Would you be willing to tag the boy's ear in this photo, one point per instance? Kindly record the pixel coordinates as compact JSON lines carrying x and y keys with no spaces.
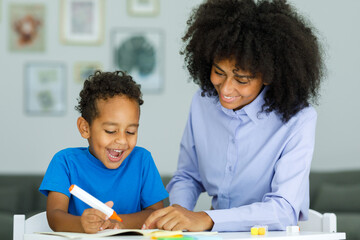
{"x":84,"y":127}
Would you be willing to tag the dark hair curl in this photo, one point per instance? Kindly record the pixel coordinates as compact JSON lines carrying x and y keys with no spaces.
{"x":104,"y":85}
{"x":266,"y":37}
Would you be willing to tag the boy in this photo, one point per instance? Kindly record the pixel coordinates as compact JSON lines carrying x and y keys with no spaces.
{"x":111,"y":168}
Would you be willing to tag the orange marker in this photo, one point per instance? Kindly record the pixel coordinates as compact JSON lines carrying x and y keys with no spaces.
{"x":93,"y":202}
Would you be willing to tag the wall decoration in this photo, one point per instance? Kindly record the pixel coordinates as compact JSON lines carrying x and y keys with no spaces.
{"x":82,"y":21}
{"x":82,"y":70}
{"x":143,"y":7}
{"x":140,"y":53}
{"x":27,"y":24}
{"x":45,"y":89}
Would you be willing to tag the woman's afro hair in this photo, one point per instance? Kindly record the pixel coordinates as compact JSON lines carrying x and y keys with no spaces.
{"x":267,"y":37}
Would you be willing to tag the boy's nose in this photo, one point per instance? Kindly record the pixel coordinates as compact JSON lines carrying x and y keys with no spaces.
{"x":121,"y":139}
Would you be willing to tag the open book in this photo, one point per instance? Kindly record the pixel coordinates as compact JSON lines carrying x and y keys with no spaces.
{"x":153,"y":233}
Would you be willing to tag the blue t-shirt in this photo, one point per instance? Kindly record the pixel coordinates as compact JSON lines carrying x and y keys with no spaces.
{"x":133,"y":186}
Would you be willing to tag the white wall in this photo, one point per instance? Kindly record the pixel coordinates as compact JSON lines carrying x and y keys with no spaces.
{"x":338,"y":128}
{"x":27,"y":143}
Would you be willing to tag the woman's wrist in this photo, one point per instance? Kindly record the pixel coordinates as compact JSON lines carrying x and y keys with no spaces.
{"x":207,"y":221}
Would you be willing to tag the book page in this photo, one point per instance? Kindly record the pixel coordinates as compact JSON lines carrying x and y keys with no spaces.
{"x":112,"y":232}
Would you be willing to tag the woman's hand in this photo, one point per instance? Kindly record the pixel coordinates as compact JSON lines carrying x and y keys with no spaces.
{"x":93,"y":220}
{"x":176,"y":217}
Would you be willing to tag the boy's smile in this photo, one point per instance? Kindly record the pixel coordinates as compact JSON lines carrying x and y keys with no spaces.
{"x":113,"y":133}
{"x":115,"y":154}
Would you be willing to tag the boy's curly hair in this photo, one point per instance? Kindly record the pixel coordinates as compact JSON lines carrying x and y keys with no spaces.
{"x":266,"y":37}
{"x":104,"y":85}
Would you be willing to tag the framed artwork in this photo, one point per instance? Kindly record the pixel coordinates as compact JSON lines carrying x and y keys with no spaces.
{"x":45,"y":88}
{"x":82,"y":70}
{"x":143,"y":7}
{"x":27,"y":27}
{"x":82,"y":22}
{"x":140,"y":54}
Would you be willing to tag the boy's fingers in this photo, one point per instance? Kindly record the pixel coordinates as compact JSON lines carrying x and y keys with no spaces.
{"x":95,"y":215}
{"x":105,"y":225}
{"x":110,"y":204}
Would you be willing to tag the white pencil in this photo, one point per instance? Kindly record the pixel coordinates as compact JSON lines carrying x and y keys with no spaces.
{"x":93,"y":202}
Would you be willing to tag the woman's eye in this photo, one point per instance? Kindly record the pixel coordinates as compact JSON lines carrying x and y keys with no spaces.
{"x":109,"y":132}
{"x":243,"y":80}
{"x":219,"y":73}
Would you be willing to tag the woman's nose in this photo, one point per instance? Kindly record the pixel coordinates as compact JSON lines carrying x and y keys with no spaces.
{"x":227,"y":87}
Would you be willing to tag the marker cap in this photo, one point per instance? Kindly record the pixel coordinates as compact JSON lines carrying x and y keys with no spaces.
{"x":116,"y":217}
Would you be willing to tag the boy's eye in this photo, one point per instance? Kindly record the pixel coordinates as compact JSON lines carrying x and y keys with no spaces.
{"x":110,"y":132}
{"x":131,"y":133}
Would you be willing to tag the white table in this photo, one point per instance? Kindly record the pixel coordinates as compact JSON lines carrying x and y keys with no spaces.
{"x":278,"y":235}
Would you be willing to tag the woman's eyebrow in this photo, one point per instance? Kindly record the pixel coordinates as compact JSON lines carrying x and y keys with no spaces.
{"x":217,"y":66}
{"x":242,"y":75}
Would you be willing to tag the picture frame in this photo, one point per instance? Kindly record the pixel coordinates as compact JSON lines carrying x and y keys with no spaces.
{"x":82,"y":22}
{"x":140,"y":53}
{"x":26,"y":27}
{"x":82,"y":70}
{"x":45,"y":88}
{"x":143,"y":8}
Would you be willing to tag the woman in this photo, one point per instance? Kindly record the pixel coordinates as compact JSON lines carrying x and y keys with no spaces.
{"x":250,"y":135}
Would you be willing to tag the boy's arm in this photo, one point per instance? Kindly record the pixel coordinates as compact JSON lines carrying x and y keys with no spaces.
{"x":60,"y":220}
{"x":136,"y":220}
{"x":57,"y":214}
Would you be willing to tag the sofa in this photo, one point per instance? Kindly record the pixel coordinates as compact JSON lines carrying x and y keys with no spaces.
{"x":337,"y":192}
{"x":19,"y":194}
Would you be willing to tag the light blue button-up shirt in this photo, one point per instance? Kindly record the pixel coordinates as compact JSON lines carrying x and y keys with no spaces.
{"x":255,"y":167}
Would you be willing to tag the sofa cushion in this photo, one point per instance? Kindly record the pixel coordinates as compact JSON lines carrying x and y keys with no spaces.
{"x":6,"y":226}
{"x":9,"y":197}
{"x":349,"y":223}
{"x":338,"y":198}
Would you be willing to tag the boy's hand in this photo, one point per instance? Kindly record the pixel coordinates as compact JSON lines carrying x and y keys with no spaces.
{"x":93,"y":220}
{"x":176,"y":217}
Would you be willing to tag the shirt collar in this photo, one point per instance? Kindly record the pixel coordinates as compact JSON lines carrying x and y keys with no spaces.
{"x":94,"y":160}
{"x":252,"y":110}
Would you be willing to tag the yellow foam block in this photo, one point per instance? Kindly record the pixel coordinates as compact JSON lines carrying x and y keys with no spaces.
{"x":254,"y":231}
{"x":262,"y":231}
{"x":258,"y":230}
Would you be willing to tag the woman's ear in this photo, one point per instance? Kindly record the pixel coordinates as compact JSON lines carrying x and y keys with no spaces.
{"x":84,"y":127}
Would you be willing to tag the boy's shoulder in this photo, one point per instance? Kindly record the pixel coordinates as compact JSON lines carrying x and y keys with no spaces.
{"x":140,"y":151}
{"x":70,"y":152}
